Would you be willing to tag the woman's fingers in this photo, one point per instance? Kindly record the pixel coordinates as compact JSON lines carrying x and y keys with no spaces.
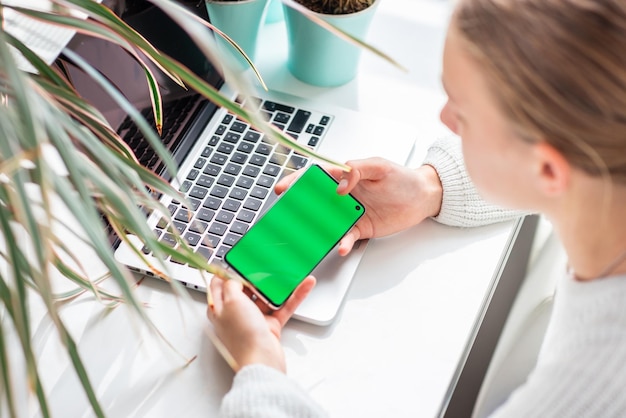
{"x":232,"y":291}
{"x":287,"y":181}
{"x":361,"y":170}
{"x":347,"y":242}
{"x":283,"y":314}
{"x":215,"y":287}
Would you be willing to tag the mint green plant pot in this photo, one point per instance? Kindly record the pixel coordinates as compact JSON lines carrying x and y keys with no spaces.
{"x":274,"y":11}
{"x":318,"y":57}
{"x":241,"y":20}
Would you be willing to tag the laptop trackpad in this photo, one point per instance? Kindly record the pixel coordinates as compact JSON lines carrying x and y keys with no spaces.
{"x":334,"y":276}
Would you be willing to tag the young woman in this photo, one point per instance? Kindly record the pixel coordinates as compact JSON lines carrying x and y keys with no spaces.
{"x":537,"y":93}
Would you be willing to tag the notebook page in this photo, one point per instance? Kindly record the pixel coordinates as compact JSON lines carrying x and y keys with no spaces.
{"x":46,"y":40}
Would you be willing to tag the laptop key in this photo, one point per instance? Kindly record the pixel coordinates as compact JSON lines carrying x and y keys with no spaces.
{"x":198,"y":227}
{"x":169,"y":239}
{"x":233,"y":169}
{"x":205,"y":214}
{"x":225,"y":216}
{"x":162,"y":223}
{"x":238,"y":127}
{"x":299,"y":120}
{"x":231,"y":239}
{"x":192,"y":239}
{"x":252,"y":204}
{"x":221,"y":252}
{"x":245,"y":182}
{"x":239,"y":227}
{"x":296,"y":162}
{"x":184,"y":188}
{"x":252,"y":136}
{"x":281,"y":117}
{"x":231,"y":205}
{"x":218,"y":228}
{"x":179,"y":226}
{"x":195,"y":204}
{"x":212,"y":203}
{"x":212,"y":170}
{"x":183,"y":215}
{"x":232,"y":137}
{"x":239,"y":158}
{"x":219,"y":159}
{"x":278,"y":159}
{"x":272,"y":170}
{"x":193,"y":174}
{"x":251,"y":171}
{"x":211,"y":241}
{"x":226,"y":148}
{"x":176,"y":260}
{"x":204,"y":252}
{"x":264,"y":149}
{"x":278,"y":106}
{"x":226,"y":180}
{"x":214,"y":140}
{"x":206,"y":152}
{"x":246,"y":216}
{"x":282,"y":149}
{"x":205,"y":181}
{"x":199,"y":163}
{"x":265,"y":181}
{"x":259,"y":192}
{"x":258,"y":160}
{"x":246,"y":147}
{"x":219,"y":191}
{"x":198,"y":192}
{"x":238,"y":193}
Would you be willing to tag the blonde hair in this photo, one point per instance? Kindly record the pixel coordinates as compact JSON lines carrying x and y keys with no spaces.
{"x":558,"y":69}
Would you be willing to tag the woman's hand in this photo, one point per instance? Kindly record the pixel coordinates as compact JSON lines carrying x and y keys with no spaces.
{"x":249,"y":335}
{"x":395,"y":197}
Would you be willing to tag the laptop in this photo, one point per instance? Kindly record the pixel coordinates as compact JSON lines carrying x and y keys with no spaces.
{"x":227,"y":170}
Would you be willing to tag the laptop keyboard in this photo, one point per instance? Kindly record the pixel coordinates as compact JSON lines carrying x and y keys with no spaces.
{"x":176,"y":115}
{"x":232,"y":179}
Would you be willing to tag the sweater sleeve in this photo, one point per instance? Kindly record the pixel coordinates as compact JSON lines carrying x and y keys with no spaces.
{"x":462,"y":205}
{"x":259,"y":391}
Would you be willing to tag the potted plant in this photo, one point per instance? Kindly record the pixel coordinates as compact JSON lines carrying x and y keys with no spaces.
{"x":57,"y":151}
{"x":324,"y":36}
{"x":317,"y":56}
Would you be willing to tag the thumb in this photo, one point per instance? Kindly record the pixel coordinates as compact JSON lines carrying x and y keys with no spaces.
{"x":301,"y":292}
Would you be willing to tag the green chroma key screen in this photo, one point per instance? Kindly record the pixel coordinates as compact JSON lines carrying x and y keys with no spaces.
{"x":294,"y":235}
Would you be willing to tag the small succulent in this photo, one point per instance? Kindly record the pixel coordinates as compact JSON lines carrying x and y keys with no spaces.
{"x":336,"y":6}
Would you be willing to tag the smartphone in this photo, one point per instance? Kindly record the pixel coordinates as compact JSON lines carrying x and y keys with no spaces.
{"x":286,"y":244}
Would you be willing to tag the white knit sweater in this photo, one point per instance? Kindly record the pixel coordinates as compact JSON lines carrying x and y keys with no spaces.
{"x":462,"y":205}
{"x":581,"y":369}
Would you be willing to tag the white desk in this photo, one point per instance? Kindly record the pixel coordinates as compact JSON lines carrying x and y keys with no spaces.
{"x":396,"y":343}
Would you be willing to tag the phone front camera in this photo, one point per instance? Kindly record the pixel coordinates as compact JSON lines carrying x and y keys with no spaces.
{"x":357,"y":207}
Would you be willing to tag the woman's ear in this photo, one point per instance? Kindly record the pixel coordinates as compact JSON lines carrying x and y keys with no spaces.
{"x":553,"y":170}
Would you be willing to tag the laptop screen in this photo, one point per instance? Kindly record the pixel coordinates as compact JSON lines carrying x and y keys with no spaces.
{"x":124,"y":72}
